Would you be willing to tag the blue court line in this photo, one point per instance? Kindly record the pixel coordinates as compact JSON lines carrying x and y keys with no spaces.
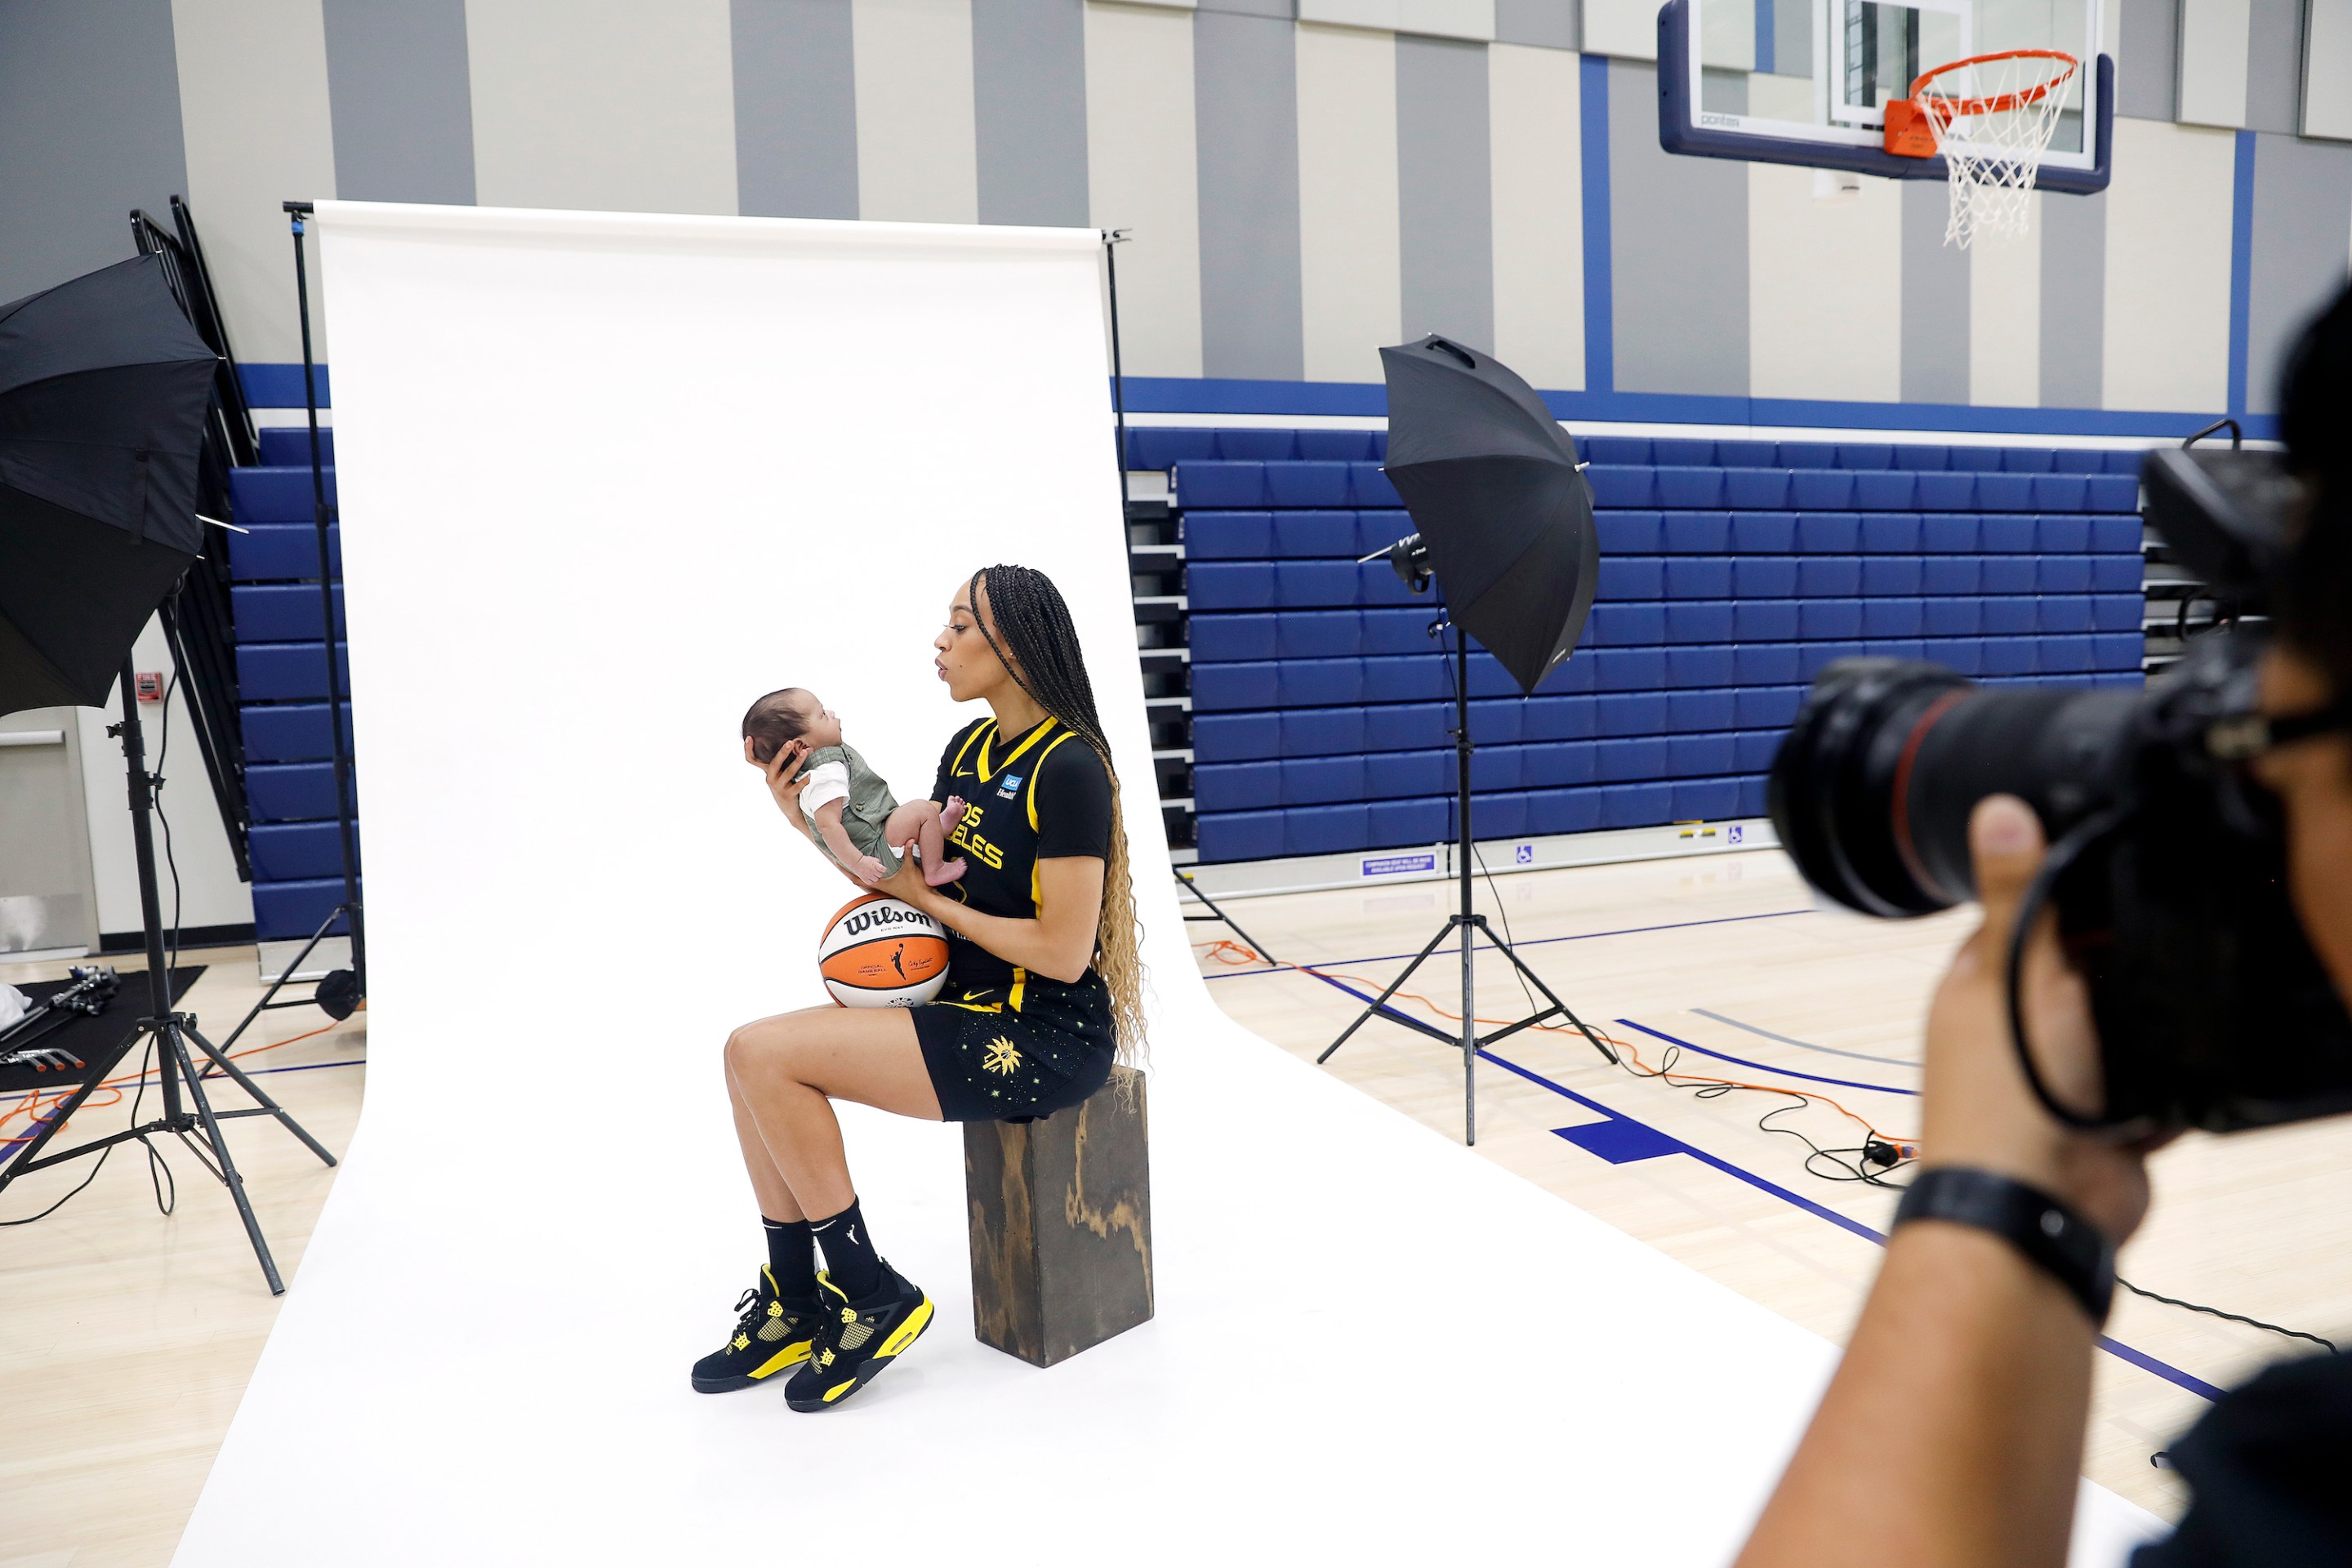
{"x":1765,"y":1067}
{"x":2121,"y":1352}
{"x":1806,"y":1045}
{"x":1531,"y":942}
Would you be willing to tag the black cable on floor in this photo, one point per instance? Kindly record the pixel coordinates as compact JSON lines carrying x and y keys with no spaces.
{"x":2232,"y":1317}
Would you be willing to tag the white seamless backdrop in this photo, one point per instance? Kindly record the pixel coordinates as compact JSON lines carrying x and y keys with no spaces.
{"x":604,"y":477}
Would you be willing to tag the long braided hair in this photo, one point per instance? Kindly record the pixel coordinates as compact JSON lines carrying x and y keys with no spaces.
{"x":1040,"y":650}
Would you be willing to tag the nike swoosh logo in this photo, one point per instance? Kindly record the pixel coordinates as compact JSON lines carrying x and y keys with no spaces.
{"x":970,"y":994}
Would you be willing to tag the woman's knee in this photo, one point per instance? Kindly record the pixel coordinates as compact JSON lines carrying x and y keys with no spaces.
{"x":757,"y":1049}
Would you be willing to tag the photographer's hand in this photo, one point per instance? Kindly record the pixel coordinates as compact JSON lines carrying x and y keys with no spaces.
{"x":1978,"y":1111}
{"x":1953,"y":1431}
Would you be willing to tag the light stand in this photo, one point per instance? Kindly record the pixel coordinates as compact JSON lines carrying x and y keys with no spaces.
{"x":199,"y":1130}
{"x":1465,"y":924}
{"x":349,"y":994}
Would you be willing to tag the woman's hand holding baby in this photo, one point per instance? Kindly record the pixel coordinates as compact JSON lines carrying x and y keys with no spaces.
{"x":783,"y":783}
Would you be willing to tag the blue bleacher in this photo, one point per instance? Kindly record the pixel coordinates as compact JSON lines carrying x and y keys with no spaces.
{"x":281,"y":673}
{"x":1732,"y":571}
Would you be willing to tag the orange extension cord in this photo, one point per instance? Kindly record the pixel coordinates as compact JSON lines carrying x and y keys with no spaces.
{"x":1219,"y":951}
{"x":33,"y":1103}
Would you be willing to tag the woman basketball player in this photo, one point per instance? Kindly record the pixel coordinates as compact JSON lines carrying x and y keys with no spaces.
{"x":1044,"y":989}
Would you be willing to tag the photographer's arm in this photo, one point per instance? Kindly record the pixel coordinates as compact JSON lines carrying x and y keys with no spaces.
{"x":1058,"y":944}
{"x":1952,"y":1433}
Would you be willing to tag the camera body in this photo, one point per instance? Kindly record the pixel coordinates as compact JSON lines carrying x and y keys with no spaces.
{"x":2168,"y":866}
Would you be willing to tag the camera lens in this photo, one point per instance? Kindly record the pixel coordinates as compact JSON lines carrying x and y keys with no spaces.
{"x":1872,"y":785}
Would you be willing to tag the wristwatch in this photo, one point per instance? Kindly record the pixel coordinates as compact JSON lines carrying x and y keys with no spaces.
{"x":2068,"y":1247}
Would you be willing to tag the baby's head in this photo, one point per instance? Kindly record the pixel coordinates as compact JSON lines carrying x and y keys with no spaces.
{"x":791,"y":714}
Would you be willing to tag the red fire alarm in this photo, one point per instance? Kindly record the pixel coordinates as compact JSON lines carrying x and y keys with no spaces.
{"x":149,"y":685}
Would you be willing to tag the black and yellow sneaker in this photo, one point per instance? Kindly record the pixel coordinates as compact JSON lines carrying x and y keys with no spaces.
{"x":772,"y":1335}
{"x":855,"y":1339}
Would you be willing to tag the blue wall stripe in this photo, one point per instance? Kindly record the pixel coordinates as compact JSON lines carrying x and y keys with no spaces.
{"x":2241,"y":269}
{"x":1764,"y":59}
{"x":1600,"y":295}
{"x":1211,"y":397}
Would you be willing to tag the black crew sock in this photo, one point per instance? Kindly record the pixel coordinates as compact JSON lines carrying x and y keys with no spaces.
{"x":849,"y":1255}
{"x":792,"y":1258}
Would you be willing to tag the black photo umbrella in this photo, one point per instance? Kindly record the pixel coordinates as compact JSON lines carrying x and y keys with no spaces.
{"x":1506,"y":522}
{"x":103,"y":389}
{"x":1493,"y":485}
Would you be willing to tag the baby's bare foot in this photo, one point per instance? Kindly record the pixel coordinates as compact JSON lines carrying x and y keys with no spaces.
{"x":940,"y":875}
{"x":952,"y":813}
{"x":871,"y":869}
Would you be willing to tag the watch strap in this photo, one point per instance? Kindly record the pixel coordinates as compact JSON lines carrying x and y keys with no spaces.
{"x":2068,"y":1247}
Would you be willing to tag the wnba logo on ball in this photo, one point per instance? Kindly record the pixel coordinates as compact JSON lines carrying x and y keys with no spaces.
{"x":879,"y":952}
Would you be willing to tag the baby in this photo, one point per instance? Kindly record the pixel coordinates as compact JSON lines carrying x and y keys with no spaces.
{"x":851,"y":815}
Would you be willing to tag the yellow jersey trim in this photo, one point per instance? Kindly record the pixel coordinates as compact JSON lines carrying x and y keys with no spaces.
{"x":1020,"y":985}
{"x":1064,"y":735}
{"x":987,"y":773}
{"x":983,"y":728}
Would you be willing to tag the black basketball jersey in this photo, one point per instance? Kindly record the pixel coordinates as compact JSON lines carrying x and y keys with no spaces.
{"x":1042,"y":795}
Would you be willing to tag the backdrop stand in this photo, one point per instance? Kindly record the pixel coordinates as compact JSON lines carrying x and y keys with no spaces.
{"x":339,"y":999}
{"x":1465,"y":925}
{"x":199,"y":1130}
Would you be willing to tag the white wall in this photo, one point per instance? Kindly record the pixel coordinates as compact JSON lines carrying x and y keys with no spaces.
{"x":1534,"y":106}
{"x":1350,"y":265}
{"x":1142,"y":175}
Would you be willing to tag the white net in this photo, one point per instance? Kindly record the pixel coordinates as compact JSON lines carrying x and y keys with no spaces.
{"x":1992,"y":119}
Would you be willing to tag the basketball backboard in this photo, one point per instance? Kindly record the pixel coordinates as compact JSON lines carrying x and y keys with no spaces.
{"x":1808,"y":82}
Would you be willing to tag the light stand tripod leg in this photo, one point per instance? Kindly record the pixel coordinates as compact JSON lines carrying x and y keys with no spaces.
{"x":177,"y":1051}
{"x":1381,"y":1001}
{"x":221,"y":1060}
{"x":1223,"y":919}
{"x":1550,"y":995}
{"x":284,"y":978}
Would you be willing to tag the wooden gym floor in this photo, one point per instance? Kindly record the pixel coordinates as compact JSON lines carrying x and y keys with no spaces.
{"x":1730,"y":955}
{"x":127,"y":1336}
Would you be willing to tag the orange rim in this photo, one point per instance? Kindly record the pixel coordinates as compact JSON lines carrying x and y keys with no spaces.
{"x":1948,"y":110}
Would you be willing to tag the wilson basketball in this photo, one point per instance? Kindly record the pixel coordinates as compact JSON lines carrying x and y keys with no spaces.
{"x":879,"y":952}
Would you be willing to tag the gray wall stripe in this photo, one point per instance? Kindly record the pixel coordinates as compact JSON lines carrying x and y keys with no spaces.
{"x":1279,"y":10}
{"x":2147,"y":60}
{"x":1935,"y":298}
{"x":89,"y":115}
{"x":2275,"y":66}
{"x":795,"y":108}
{"x":1546,"y":24}
{"x":1445,"y":199}
{"x":2303,"y":213}
{"x":1246,"y":112}
{"x":1029,"y":105}
{"x":401,"y":101}
{"x":2074,"y":301}
{"x":1677,"y":255}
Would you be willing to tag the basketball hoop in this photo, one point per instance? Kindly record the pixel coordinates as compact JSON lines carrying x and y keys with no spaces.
{"x":1991,"y":141}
